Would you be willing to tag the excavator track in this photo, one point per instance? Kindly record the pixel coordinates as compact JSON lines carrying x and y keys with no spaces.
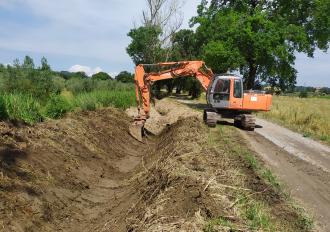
{"x":210,"y":117}
{"x":245,"y":121}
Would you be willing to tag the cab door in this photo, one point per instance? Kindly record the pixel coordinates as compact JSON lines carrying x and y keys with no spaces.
{"x":220,"y":93}
{"x":236,"y":101}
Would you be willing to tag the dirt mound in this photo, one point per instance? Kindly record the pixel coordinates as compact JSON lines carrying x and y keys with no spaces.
{"x":65,"y":174}
{"x":163,"y":113}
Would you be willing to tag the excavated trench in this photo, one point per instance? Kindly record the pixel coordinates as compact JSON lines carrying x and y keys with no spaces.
{"x":81,"y":173}
{"x":86,"y":173}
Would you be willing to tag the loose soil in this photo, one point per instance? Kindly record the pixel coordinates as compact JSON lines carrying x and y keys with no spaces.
{"x":86,"y":173}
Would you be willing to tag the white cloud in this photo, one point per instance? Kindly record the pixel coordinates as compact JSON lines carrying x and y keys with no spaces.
{"x":113,"y":74}
{"x":88,"y":70}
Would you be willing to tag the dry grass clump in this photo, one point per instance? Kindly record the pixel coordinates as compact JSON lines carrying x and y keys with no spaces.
{"x":309,"y":116}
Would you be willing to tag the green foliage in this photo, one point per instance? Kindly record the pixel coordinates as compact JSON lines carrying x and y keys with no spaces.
{"x":145,"y":46}
{"x":101,"y":98}
{"x":260,"y":38}
{"x":102,"y":76}
{"x":125,"y":77}
{"x":23,"y":107}
{"x":29,"y":94}
{"x":78,"y":85}
{"x":3,"y":112}
{"x":221,"y":56}
{"x":57,"y":106}
{"x":25,"y":79}
{"x":184,"y":45}
{"x":28,"y":63}
{"x":258,"y":218}
{"x":303,"y":94}
{"x":44,"y":64}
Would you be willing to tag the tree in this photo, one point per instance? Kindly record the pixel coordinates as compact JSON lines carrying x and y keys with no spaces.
{"x":166,"y":15}
{"x":80,"y":74}
{"x":28,"y":63}
{"x":44,"y":64}
{"x":102,"y":76}
{"x":184,"y":45}
{"x":145,"y":46}
{"x":125,"y":77}
{"x":260,"y":38}
{"x":16,"y":63}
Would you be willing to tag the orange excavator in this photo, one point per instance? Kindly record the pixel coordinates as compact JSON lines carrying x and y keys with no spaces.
{"x":224,"y":94}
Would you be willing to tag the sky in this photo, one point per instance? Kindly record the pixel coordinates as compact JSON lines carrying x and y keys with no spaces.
{"x":91,"y":36}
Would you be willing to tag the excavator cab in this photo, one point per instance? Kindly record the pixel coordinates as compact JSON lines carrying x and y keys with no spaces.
{"x":226,"y":92}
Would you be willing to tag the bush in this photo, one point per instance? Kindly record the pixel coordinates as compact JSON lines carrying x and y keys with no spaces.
{"x":56,"y":107}
{"x":303,"y":94}
{"x":3,"y":112}
{"x":23,"y":107}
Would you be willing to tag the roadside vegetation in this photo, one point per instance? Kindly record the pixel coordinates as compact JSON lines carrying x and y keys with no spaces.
{"x":32,"y":94}
{"x":309,"y":116}
{"x":257,"y":210}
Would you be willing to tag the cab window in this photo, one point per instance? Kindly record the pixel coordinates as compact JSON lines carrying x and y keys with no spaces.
{"x":237,"y":89}
{"x":222,"y":90}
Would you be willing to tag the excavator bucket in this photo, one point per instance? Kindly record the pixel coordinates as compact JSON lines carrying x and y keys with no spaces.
{"x":136,"y":131}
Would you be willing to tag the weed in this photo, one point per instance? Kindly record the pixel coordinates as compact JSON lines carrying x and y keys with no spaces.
{"x":305,"y":222}
{"x":271,"y":179}
{"x":23,"y":107}
{"x":3,"y":112}
{"x":56,"y":107}
{"x":257,"y":217}
{"x":210,"y":226}
{"x":95,"y":99}
{"x":252,"y":161}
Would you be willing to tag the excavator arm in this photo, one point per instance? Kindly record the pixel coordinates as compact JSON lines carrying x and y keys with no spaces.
{"x":171,"y":70}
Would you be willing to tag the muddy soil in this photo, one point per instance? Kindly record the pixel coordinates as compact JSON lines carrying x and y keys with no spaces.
{"x":86,"y":173}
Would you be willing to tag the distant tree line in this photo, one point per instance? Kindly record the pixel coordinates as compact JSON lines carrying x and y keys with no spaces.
{"x":41,"y":81}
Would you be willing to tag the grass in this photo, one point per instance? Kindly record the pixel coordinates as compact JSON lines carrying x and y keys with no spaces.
{"x":29,"y":109}
{"x":103,"y":98}
{"x":256,"y":212}
{"x":308,"y":116}
{"x":22,"y":107}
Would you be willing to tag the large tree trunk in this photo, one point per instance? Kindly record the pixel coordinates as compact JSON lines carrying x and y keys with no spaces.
{"x":250,"y":78}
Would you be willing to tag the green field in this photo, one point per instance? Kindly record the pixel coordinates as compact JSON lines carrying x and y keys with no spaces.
{"x":309,"y":116}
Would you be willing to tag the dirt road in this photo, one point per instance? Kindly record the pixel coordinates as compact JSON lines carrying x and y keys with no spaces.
{"x":301,"y":163}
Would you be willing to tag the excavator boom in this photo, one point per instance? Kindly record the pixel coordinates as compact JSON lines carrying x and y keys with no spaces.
{"x":170,"y":70}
